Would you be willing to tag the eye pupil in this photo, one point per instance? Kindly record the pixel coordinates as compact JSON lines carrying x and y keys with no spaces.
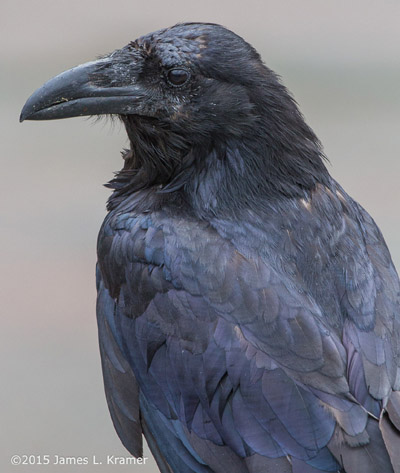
{"x":178,"y":76}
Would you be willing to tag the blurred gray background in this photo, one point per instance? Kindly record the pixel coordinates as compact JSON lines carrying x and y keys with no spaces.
{"x":341,"y":61}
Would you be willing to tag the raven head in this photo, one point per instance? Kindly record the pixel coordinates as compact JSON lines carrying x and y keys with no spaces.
{"x":194,"y":77}
{"x":191,"y":96}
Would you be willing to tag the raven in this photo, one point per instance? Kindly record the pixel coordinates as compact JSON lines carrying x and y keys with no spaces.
{"x":248,"y":307}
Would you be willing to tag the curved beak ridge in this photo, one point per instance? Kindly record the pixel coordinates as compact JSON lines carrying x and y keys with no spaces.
{"x":82,"y":91}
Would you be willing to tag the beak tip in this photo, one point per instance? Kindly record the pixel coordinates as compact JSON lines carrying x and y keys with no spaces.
{"x":26,"y":112}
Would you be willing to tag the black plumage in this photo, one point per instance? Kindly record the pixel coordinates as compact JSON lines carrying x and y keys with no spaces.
{"x":248,"y":308}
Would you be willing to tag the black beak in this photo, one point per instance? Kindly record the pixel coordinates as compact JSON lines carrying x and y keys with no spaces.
{"x":105,"y":86}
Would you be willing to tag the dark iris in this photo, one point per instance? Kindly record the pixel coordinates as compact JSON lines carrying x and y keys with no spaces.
{"x":178,"y":76}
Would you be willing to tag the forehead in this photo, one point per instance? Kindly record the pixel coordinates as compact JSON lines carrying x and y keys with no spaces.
{"x":178,"y":44}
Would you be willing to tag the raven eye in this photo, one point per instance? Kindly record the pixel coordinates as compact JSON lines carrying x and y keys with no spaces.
{"x":178,"y":77}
